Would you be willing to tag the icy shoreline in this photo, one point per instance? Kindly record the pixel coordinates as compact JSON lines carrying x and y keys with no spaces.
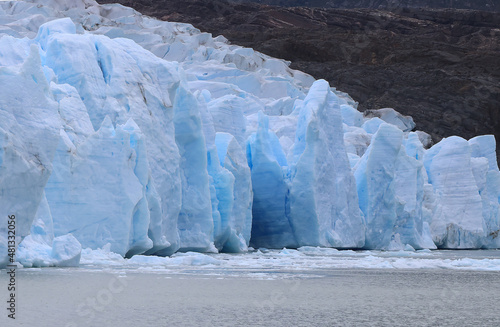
{"x":287,"y":261}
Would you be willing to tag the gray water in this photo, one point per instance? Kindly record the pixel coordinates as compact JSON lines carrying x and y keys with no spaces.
{"x":276,"y":296}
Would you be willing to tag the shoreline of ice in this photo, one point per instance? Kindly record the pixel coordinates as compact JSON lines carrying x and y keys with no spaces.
{"x":286,"y":263}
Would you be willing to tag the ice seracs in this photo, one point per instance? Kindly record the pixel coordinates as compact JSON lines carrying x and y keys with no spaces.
{"x":271,"y":227}
{"x":391,"y":116}
{"x":123,"y":132}
{"x":458,"y":218}
{"x":488,"y":182}
{"x":375,"y":175}
{"x":323,"y":203}
{"x":94,"y":210}
{"x":195,"y":222}
{"x":232,"y":157}
{"x":29,"y":129}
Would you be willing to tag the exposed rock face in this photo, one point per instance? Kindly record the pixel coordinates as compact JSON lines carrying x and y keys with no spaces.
{"x":488,"y":5}
{"x":442,"y":67}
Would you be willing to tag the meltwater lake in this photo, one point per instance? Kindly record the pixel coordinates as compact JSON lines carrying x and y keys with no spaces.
{"x":308,"y":287}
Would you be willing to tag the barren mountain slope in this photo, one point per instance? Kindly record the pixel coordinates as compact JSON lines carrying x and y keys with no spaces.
{"x":488,"y":5}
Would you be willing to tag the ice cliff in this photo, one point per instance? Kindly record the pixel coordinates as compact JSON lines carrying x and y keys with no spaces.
{"x":118,"y":130}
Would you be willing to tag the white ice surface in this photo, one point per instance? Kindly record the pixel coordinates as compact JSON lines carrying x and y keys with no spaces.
{"x":152,"y":136}
{"x":291,"y":263}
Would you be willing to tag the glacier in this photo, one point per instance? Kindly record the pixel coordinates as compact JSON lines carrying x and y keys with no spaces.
{"x":122,"y":132}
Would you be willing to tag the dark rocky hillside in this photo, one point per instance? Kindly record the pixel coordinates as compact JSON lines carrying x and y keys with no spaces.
{"x":487,"y":5}
{"x":440,"y":66}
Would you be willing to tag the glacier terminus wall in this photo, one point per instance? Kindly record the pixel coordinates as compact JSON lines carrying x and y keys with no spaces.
{"x":124,"y":132}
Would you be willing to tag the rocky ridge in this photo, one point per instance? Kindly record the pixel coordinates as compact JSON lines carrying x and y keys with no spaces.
{"x":487,"y":5}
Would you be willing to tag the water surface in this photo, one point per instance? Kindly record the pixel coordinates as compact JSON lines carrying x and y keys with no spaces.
{"x":283,"y":288}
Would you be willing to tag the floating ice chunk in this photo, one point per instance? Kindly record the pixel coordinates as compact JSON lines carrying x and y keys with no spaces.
{"x":290,"y":252}
{"x":409,"y":248}
{"x":42,"y":249}
{"x":148,"y":260}
{"x":101,"y":256}
{"x":35,"y":250}
{"x":32,"y":253}
{"x":66,"y":251}
{"x":312,"y":250}
{"x":193,"y":259}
